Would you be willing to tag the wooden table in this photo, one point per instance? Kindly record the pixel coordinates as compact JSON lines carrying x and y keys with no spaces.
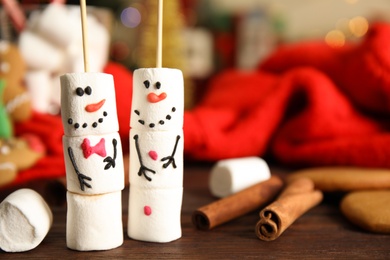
{"x":322,"y":233}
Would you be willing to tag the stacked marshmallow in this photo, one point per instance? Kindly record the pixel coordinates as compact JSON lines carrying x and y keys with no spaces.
{"x":52,"y":45}
{"x":93,"y":160}
{"x":156,"y":155}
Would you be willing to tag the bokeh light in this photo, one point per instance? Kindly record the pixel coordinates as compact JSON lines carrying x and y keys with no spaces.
{"x":335,"y":38}
{"x":130,"y":17}
{"x":358,"y":26}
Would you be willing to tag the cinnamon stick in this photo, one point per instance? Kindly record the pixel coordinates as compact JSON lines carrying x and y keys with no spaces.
{"x":297,"y":198}
{"x":236,"y":205}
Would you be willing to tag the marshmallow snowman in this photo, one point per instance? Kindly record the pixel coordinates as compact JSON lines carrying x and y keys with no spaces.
{"x":156,"y":155}
{"x":93,"y":161}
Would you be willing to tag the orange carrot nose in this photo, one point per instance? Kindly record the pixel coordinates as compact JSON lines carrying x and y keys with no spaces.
{"x":154,"y":98}
{"x":94,"y":107}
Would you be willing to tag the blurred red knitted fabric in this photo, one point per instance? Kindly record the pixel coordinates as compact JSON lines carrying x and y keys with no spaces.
{"x":308,"y":104}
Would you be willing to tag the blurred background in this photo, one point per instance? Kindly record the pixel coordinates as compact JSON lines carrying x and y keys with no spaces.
{"x":203,"y":37}
{"x":41,"y":40}
{"x":237,"y":33}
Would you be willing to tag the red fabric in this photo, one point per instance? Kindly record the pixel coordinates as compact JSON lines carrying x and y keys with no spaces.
{"x":123,"y":80}
{"x":362,"y":70}
{"x":50,"y":131}
{"x":303,"y":105}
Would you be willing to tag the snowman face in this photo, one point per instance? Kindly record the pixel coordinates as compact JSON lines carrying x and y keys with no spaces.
{"x":157,"y":99}
{"x":88,"y":104}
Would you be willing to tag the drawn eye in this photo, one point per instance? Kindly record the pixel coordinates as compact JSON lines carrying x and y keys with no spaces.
{"x":147,"y":83}
{"x":79,"y":92}
{"x":158,"y":85}
{"x":88,"y":90}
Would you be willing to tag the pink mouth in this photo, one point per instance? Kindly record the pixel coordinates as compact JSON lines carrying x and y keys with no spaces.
{"x":154,"y":98}
{"x":94,"y":107}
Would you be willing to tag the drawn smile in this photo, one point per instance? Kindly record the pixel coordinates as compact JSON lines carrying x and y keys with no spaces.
{"x":153,"y":124}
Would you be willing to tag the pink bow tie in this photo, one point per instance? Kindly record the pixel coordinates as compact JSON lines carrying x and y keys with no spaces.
{"x":88,"y":150}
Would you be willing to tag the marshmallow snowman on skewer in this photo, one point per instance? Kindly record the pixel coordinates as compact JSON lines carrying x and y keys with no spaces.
{"x":93,"y":160}
{"x":93,"y":157}
{"x":156,"y":155}
{"x":156,"y":151}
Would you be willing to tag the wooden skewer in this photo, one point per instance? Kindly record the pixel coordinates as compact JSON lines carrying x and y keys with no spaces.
{"x":159,"y":34}
{"x":84,"y":30}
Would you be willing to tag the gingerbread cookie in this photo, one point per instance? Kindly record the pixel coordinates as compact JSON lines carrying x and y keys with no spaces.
{"x":368,"y":209}
{"x":331,"y":179}
{"x":18,"y":154}
{"x":12,"y":70}
{"x":8,"y":173}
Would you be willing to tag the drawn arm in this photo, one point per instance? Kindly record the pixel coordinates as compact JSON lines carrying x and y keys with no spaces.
{"x":142,"y":169}
{"x":82,"y":178}
{"x":109,"y":160}
{"x":171,"y":159}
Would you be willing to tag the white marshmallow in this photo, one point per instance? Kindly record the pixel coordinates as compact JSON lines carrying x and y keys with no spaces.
{"x":167,"y":113}
{"x":38,"y":53}
{"x":233,"y":175}
{"x":55,"y":99}
{"x":94,"y":222}
{"x":199,"y":44}
{"x":154,"y":214}
{"x":92,"y":164}
{"x":74,"y":107}
{"x":153,"y":147}
{"x":56,"y":25}
{"x":38,"y":84}
{"x":98,"y":48}
{"x":25,"y":220}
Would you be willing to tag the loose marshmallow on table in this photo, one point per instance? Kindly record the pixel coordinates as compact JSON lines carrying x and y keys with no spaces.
{"x":25,"y":220}
{"x":155,"y":214}
{"x":153,"y":148}
{"x":158,"y":99}
{"x":88,"y":155}
{"x":88,"y":105}
{"x":94,"y":222}
{"x":233,"y":175}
